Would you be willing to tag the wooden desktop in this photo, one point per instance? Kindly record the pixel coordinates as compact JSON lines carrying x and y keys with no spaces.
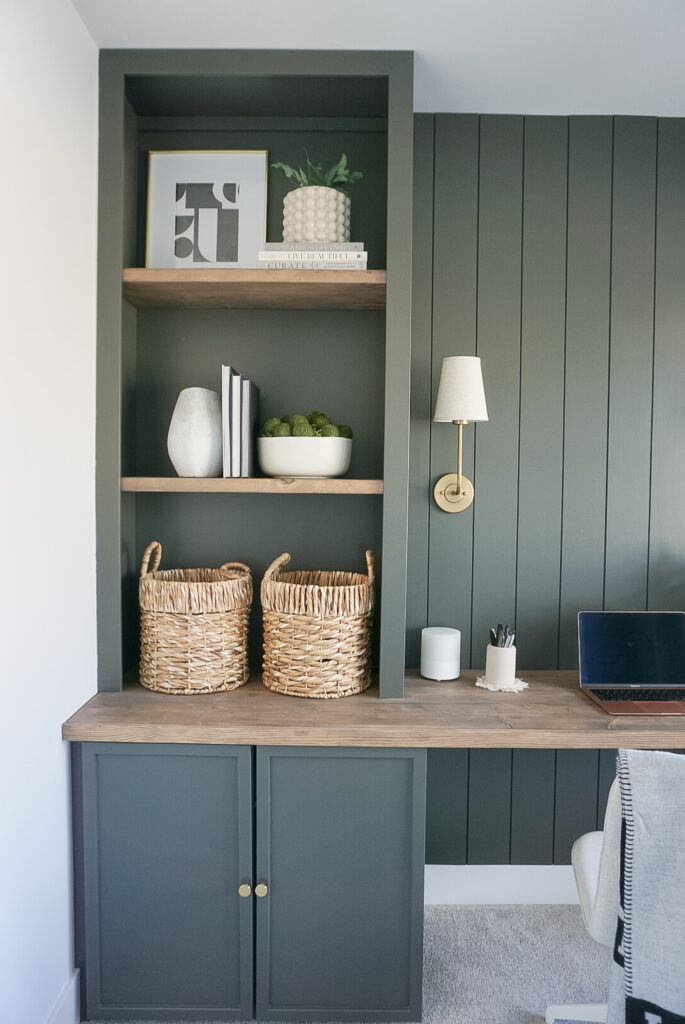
{"x":551,"y":714}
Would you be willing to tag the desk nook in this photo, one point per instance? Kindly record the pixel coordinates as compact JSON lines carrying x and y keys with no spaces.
{"x":247,"y":854}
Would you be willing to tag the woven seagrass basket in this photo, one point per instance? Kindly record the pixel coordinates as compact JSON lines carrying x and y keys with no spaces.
{"x":317,"y":630}
{"x":193,"y":626}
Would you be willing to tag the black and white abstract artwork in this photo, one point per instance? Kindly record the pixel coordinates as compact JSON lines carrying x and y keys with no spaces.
{"x":206,"y":208}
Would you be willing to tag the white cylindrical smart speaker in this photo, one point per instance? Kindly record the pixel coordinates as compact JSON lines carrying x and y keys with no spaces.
{"x":440,"y":652}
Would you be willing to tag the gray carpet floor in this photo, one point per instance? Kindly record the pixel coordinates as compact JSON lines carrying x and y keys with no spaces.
{"x":506,"y":964}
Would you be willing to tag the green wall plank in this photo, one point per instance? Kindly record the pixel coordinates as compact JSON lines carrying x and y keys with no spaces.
{"x":532,"y":806}
{"x":667,"y":523}
{"x":575,"y":810}
{"x":631,"y":362}
{"x":489,"y":807}
{"x":447,"y":786}
{"x":542,"y":390}
{"x":455,"y":271}
{"x":498,"y":344}
{"x":607,"y":774}
{"x":588,"y":288}
{"x":420,"y":432}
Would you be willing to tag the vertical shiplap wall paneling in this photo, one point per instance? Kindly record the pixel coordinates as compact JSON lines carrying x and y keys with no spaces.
{"x":631,"y":362}
{"x":588,"y":299}
{"x":541,"y":448}
{"x":559,"y":258}
{"x":455,"y":290}
{"x":447,"y":798}
{"x":543,"y":287}
{"x":489,"y":807}
{"x":666,"y":580}
{"x":576,"y":795}
{"x":532,"y":806}
{"x":498,"y":344}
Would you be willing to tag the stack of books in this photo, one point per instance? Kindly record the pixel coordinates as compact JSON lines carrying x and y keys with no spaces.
{"x":312,"y":256}
{"x":239,"y":420}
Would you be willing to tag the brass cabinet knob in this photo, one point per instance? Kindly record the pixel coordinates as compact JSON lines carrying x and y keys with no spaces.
{"x":261,"y":889}
{"x":244,"y":890}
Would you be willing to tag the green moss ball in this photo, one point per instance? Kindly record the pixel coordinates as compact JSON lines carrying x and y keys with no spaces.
{"x":268,"y":428}
{"x":302,"y":428}
{"x":344,"y":430}
{"x":318,"y":420}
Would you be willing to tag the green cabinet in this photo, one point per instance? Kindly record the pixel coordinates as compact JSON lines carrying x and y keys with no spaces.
{"x":331,"y":927}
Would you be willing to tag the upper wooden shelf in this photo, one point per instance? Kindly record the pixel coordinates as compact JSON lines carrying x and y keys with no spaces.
{"x":250,"y":485}
{"x":250,"y":289}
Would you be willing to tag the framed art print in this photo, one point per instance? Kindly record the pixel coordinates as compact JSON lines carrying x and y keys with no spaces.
{"x":206,"y":208}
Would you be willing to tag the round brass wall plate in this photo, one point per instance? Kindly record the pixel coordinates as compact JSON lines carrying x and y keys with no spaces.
{"x":445,"y":493}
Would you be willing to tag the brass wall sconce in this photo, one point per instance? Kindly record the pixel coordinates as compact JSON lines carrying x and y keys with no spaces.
{"x":461,"y":400}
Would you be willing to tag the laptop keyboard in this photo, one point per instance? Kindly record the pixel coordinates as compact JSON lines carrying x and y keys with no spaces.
{"x":627,"y":693}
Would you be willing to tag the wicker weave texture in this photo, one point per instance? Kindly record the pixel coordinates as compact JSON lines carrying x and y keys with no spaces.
{"x":317,"y":630}
{"x":193,"y":626}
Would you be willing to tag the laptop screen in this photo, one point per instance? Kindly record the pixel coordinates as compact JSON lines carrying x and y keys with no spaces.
{"x":631,"y":648}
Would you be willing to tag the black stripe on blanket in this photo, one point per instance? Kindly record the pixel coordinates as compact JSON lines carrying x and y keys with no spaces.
{"x":639,"y":1011}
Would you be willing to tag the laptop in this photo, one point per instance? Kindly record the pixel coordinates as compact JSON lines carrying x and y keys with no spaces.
{"x":633,"y":663}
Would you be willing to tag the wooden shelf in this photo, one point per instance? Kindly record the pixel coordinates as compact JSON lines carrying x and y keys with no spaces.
{"x":249,"y":485}
{"x":251,"y":289}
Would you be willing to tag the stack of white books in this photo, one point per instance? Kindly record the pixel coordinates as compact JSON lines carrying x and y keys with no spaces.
{"x":239,"y":420}
{"x":312,"y":256}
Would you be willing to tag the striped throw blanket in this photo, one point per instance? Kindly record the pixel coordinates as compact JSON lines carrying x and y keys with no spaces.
{"x":648,"y":983}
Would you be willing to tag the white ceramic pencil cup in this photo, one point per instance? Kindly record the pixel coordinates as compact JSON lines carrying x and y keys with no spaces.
{"x":500,"y":665}
{"x":440,"y":652}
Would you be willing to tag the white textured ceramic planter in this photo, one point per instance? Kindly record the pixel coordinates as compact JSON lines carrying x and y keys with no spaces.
{"x":304,"y":456}
{"x":194,"y":438}
{"x":316,"y":213}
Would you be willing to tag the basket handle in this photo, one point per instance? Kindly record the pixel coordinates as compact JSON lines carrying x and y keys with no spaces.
{"x":235,"y":565}
{"x":157,"y":548}
{"x":369,"y":565}
{"x":277,"y":564}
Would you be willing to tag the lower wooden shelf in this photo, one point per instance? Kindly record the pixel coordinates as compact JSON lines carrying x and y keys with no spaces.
{"x":249,"y":485}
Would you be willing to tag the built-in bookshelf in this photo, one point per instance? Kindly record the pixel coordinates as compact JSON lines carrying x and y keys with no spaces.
{"x":336,"y":340}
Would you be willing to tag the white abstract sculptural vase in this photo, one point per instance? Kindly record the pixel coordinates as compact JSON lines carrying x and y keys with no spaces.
{"x":194,"y":438}
{"x":316,"y":213}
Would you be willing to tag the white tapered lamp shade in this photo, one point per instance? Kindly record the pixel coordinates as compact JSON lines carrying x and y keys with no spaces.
{"x":461,"y":399}
{"x":461,"y":395}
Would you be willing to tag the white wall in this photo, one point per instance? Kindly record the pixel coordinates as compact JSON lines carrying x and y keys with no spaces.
{"x":478,"y":56}
{"x":48,"y":90}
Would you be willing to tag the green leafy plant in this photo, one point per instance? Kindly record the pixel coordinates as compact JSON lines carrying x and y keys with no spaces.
{"x":336,"y":177}
{"x":317,"y":424}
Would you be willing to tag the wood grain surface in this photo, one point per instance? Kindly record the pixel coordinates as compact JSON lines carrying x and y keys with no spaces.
{"x":248,"y":289}
{"x":551,"y":714}
{"x":250,"y":485}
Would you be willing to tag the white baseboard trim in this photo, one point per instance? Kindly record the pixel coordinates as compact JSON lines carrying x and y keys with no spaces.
{"x":67,"y":1009}
{"x":499,"y":883}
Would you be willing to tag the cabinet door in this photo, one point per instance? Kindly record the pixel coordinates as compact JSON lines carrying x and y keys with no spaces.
{"x":340,"y":844}
{"x":167,"y":841}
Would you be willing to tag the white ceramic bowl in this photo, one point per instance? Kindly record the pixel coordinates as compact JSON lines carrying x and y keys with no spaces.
{"x":304,"y":456}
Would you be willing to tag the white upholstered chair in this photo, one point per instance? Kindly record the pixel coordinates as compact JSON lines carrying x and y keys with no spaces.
{"x":596,"y":860}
